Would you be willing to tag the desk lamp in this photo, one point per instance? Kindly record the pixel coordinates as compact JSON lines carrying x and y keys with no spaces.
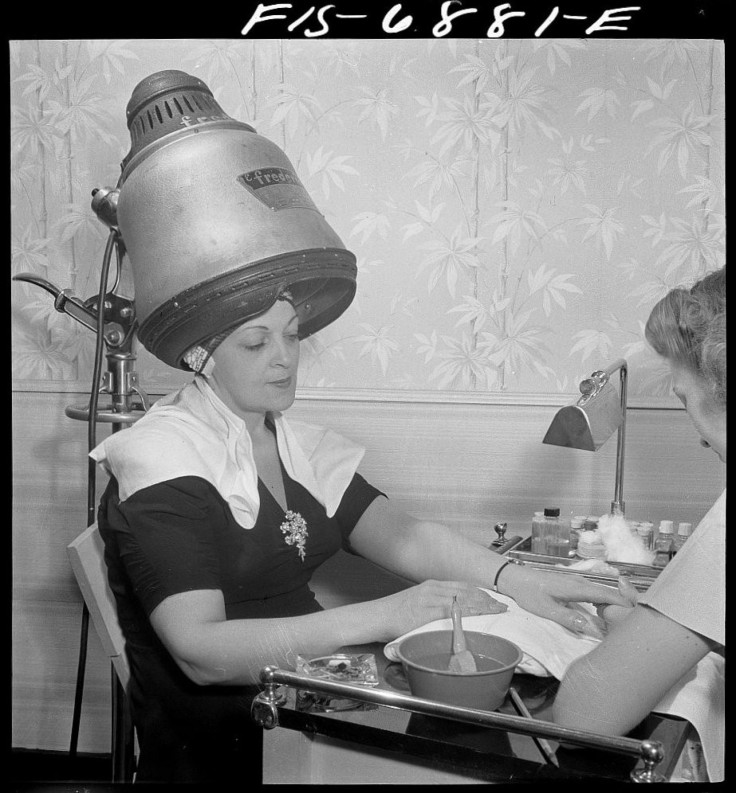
{"x":588,"y":423}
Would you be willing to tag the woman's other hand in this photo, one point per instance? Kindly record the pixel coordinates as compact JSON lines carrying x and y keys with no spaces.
{"x":432,"y":600}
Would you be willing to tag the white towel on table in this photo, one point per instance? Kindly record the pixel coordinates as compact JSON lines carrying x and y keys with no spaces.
{"x":548,"y":649}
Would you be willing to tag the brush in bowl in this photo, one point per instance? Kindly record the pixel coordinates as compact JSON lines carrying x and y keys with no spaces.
{"x":425,"y":658}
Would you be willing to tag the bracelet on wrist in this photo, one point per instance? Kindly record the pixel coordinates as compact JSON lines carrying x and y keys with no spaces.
{"x":501,"y":569}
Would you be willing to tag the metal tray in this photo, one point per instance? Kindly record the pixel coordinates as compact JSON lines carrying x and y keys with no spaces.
{"x":641,"y":576}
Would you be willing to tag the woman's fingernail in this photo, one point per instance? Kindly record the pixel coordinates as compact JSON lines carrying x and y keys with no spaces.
{"x":625,"y":583}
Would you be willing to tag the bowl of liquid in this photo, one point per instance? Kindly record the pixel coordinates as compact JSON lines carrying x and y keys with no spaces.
{"x":425,"y":658}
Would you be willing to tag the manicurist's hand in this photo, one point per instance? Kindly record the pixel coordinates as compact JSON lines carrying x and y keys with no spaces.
{"x":555,"y":595}
{"x":613,"y":615}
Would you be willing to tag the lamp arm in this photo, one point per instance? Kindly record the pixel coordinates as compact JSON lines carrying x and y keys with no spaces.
{"x":617,"y":505}
{"x":619,"y":364}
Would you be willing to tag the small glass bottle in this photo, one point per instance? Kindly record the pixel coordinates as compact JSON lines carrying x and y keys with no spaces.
{"x":663,"y":543}
{"x":683,"y":532}
{"x":558,"y":533}
{"x":539,"y":537}
{"x":576,"y":526}
{"x":645,"y":532}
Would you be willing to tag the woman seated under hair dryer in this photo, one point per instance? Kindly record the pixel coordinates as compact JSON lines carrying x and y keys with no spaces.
{"x":217,"y":513}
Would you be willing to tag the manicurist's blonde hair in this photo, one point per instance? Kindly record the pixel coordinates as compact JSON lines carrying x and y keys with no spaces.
{"x":688,"y":327}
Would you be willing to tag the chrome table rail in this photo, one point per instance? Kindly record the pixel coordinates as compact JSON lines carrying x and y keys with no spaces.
{"x":264,"y":711}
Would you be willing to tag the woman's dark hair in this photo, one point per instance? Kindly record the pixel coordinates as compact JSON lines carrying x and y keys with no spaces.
{"x":197,"y":356}
{"x":688,"y":327}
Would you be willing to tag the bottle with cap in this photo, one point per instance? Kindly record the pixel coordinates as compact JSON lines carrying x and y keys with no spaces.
{"x":664,"y":543}
{"x":684,"y":530}
{"x":558,"y":533}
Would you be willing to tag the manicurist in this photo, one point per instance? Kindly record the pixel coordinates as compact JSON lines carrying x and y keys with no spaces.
{"x":657,"y":641}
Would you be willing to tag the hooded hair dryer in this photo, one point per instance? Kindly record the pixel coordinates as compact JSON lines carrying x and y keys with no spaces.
{"x":593,"y":419}
{"x":215,"y":223}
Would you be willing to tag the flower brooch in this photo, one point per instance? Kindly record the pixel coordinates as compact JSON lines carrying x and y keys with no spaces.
{"x":294,"y":529}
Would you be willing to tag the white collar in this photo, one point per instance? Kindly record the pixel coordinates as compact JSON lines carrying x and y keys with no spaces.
{"x":192,"y":432}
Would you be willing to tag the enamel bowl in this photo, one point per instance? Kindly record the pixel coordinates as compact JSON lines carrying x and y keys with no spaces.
{"x":425,"y":658}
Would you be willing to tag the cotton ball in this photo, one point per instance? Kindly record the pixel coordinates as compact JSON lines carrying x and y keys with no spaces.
{"x":621,"y":544}
{"x":597,"y":566}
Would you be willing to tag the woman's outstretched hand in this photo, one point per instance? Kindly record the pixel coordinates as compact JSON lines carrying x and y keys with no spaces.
{"x":555,"y":595}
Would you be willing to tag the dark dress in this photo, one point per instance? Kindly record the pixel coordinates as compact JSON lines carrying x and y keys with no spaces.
{"x":180,"y":536}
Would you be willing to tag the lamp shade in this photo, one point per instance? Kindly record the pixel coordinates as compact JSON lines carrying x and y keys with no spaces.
{"x":589,"y":423}
{"x":216,"y":223}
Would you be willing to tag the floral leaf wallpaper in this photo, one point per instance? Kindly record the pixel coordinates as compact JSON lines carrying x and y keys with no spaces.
{"x":516,"y":206}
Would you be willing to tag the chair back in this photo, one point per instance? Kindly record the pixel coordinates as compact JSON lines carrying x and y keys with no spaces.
{"x":87,"y":557}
